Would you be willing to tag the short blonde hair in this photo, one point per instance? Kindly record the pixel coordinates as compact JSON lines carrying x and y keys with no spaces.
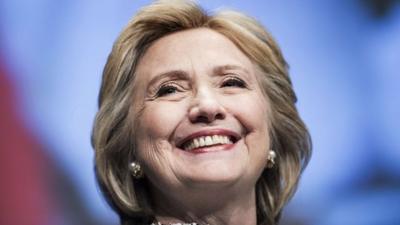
{"x":113,"y":136}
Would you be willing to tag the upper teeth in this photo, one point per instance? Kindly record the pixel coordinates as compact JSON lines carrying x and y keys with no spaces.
{"x":206,"y":141}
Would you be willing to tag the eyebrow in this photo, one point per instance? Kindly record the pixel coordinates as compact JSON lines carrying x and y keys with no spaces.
{"x":181,"y":74}
{"x":221,"y":69}
{"x":174,"y":74}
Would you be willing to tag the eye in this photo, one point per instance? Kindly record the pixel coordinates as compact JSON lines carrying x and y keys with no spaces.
{"x":166,"y":89}
{"x":234,"y":82}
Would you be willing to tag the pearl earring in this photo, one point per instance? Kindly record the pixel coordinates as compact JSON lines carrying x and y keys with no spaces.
{"x":136,"y":170}
{"x":271,"y":158}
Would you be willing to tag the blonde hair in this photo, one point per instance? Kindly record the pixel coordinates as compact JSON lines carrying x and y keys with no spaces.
{"x":114,"y":130}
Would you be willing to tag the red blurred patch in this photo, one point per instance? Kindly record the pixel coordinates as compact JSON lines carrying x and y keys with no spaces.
{"x":25,"y":197}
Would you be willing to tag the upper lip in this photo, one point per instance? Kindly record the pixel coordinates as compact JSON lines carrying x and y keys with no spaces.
{"x":219,"y":131}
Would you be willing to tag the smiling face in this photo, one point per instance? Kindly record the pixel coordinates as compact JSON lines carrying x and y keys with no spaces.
{"x":203,"y":121}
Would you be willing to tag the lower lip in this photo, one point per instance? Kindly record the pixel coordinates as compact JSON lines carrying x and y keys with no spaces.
{"x":215,"y":148}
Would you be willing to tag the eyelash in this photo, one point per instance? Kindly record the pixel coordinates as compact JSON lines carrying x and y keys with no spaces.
{"x":234,"y":82}
{"x":170,"y":88}
{"x":166,"y":90}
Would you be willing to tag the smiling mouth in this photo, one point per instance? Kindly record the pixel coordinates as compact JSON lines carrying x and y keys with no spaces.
{"x":208,"y":141}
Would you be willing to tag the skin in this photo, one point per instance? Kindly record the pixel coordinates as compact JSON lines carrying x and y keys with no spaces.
{"x":199,"y":81}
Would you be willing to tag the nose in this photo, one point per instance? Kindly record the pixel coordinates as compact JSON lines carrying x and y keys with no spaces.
{"x":206,"y":108}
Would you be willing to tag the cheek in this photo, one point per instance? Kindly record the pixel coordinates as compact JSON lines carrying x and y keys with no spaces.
{"x":252,"y":111}
{"x":159,"y":120}
{"x":157,"y":124}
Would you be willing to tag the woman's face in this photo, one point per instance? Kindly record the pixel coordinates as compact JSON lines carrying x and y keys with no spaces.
{"x":203,"y":117}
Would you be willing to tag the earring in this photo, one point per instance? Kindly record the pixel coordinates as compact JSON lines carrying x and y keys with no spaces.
{"x":136,"y":170}
{"x":271,"y":158}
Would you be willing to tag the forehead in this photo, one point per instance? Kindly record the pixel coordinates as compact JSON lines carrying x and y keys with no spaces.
{"x":192,"y":50}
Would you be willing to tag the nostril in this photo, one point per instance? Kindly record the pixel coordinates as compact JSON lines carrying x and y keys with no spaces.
{"x":208,"y":117}
{"x":206,"y":110}
{"x":219,"y":116}
{"x":202,"y":119}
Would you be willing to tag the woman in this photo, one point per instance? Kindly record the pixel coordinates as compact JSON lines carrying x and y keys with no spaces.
{"x":196,"y":120}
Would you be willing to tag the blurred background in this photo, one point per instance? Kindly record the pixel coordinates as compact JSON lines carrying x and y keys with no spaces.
{"x":344,"y":58}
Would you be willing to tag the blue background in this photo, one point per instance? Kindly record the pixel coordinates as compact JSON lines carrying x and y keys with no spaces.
{"x":344,"y":58}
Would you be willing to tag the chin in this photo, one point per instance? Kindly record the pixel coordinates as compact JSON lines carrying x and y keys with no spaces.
{"x":217,"y":172}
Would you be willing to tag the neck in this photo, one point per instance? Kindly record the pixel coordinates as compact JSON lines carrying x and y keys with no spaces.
{"x":215,"y":208}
